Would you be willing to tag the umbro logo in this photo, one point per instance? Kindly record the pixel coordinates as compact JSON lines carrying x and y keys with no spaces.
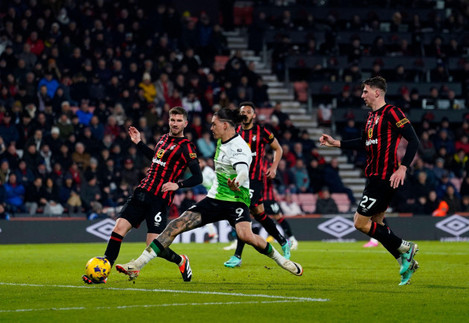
{"x":102,"y":229}
{"x":337,"y":227}
{"x":455,"y":225}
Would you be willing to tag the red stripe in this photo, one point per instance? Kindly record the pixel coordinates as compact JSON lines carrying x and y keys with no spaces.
{"x":398,"y":140}
{"x":116,"y":239}
{"x":152,"y":170}
{"x":281,"y":220}
{"x":370,"y":157}
{"x":380,"y":145}
{"x":259,"y":152}
{"x":158,"y":166}
{"x":168,"y":166}
{"x":373,"y":228}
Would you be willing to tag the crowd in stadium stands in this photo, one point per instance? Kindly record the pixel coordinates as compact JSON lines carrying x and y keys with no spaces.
{"x":74,"y":78}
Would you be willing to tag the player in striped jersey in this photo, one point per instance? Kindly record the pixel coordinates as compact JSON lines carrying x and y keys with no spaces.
{"x":257,"y":137}
{"x":384,"y":128}
{"x":273,"y":209}
{"x":151,"y":199}
{"x":228,"y":199}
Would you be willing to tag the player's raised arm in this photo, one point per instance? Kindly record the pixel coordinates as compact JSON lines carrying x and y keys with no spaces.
{"x":328,"y":141}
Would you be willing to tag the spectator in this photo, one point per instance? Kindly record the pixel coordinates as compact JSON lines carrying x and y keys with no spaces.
{"x":285,"y":178}
{"x":68,"y":195}
{"x":334,"y":181}
{"x":452,"y":199}
{"x":442,"y":187}
{"x":3,"y":214}
{"x":35,"y":196}
{"x":325,"y":203}
{"x":205,"y":145}
{"x":24,"y":174}
{"x":52,"y":206}
{"x":443,"y":140}
{"x":427,"y":148}
{"x":301,"y":176}
{"x":14,"y":195}
{"x":32,"y":157}
{"x":432,"y":203}
{"x":8,"y":130}
{"x":130,"y":174}
{"x":81,"y":157}
{"x":290,"y":207}
{"x":84,"y":114}
{"x":90,"y":194}
{"x":459,"y":164}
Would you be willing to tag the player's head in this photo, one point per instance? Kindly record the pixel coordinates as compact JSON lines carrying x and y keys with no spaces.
{"x":248,"y":110}
{"x":177,"y":121}
{"x":373,"y":90}
{"x":224,"y":121}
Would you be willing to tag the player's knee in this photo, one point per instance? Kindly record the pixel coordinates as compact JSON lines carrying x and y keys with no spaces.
{"x":360,"y":226}
{"x":122,"y":227}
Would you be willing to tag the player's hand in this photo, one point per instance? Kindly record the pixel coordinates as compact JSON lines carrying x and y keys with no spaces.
{"x":170,"y":186}
{"x":134,"y":135}
{"x":271,"y":173}
{"x":398,"y":177}
{"x":233,"y":185}
{"x":328,"y":141}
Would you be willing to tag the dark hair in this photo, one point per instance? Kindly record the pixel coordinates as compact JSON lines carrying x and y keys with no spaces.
{"x":376,"y":82}
{"x":233,"y":117}
{"x":178,"y":110}
{"x":247,"y":103}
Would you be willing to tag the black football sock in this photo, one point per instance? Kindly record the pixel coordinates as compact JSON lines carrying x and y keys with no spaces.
{"x":266,"y":251}
{"x":387,"y":238}
{"x":285,"y":226}
{"x":113,"y":247}
{"x":170,"y":256}
{"x":239,"y":248}
{"x":270,"y":227}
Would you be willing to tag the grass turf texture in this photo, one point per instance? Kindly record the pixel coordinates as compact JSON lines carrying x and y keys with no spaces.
{"x":42,"y":283}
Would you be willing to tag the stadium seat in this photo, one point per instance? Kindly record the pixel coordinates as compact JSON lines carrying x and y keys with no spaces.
{"x":307,"y":201}
{"x":342,"y":201}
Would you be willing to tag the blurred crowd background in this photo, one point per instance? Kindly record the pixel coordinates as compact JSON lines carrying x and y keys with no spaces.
{"x":75,"y":75}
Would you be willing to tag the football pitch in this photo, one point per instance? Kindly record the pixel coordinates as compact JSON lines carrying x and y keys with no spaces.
{"x":342,"y":282}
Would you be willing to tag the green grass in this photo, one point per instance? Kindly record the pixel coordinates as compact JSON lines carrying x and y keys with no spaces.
{"x":42,"y":283}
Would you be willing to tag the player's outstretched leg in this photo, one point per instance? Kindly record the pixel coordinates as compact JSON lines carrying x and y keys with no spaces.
{"x":131,"y":269}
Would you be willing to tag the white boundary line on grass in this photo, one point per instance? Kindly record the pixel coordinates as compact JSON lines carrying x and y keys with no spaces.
{"x":279,"y":299}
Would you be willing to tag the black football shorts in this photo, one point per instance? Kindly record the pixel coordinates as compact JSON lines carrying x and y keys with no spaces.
{"x":376,"y":198}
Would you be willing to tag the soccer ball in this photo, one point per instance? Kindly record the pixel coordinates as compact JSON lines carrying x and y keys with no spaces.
{"x":97,"y":269}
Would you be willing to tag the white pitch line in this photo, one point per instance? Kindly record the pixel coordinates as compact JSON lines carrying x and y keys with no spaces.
{"x":284,"y":298}
{"x":20,"y":310}
{"x":379,"y":250}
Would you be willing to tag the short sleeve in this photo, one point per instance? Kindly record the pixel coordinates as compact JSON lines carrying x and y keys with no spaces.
{"x":240,"y":155}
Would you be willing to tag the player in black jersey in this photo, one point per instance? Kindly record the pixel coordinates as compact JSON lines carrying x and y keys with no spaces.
{"x":257,"y":137}
{"x":384,"y":128}
{"x":151,"y":199}
{"x":273,"y":209}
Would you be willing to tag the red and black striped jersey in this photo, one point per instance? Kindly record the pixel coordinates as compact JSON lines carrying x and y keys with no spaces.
{"x":171,"y":157}
{"x":383,"y":132}
{"x":256,"y":138}
{"x":268,"y":184}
